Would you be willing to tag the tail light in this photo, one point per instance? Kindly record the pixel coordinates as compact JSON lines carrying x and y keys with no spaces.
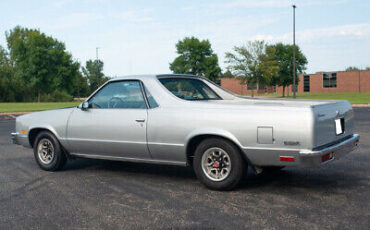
{"x":286,"y":158}
{"x":327,"y":157}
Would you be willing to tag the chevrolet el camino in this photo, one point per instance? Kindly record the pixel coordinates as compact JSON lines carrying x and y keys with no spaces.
{"x":189,"y":121}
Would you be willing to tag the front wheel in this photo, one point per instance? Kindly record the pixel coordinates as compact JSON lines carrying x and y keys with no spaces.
{"x":48,"y":152}
{"x":218,"y":164}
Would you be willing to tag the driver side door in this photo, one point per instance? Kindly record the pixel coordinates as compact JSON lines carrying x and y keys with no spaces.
{"x":114,"y":125}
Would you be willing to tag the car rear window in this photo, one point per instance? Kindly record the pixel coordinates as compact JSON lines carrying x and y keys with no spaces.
{"x":189,"y":89}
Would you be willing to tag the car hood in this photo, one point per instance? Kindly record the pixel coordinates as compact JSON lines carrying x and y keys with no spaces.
{"x":46,"y":113}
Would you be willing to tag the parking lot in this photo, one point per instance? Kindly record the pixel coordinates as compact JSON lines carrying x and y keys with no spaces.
{"x":91,"y":194}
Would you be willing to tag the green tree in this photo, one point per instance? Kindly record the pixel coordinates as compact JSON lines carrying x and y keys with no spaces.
{"x":41,"y":61}
{"x":12,"y":88}
{"x":352,"y":68}
{"x":253,"y":63}
{"x":82,"y":88}
{"x":6,"y":76}
{"x":93,"y":71}
{"x":227,"y":74}
{"x":284,"y":56}
{"x":196,"y":57}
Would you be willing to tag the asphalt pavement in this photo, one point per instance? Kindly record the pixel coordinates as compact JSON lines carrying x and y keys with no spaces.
{"x":92,"y":194}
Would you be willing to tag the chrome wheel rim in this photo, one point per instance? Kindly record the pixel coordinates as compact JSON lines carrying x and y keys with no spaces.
{"x":45,"y":151}
{"x":216,"y":164}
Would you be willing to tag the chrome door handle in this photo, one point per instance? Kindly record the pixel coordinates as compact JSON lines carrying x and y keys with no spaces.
{"x":140,"y":120}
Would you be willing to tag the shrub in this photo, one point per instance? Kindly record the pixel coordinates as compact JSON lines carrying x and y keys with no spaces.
{"x":57,"y":96}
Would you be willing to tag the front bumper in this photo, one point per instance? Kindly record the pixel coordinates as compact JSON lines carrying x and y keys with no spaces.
{"x":14,"y":137}
{"x":20,"y":139}
{"x":328,"y":154}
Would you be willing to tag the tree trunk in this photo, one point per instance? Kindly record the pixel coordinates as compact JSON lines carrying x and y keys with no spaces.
{"x":287,"y":91}
{"x":39,"y":96}
{"x":283,"y":90}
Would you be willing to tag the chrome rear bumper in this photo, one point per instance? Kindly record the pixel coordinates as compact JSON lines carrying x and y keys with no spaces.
{"x":325,"y":155}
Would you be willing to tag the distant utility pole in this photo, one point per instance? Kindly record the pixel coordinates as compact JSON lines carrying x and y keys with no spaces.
{"x":78,"y":81}
{"x":97,"y":53}
{"x":294,"y":86}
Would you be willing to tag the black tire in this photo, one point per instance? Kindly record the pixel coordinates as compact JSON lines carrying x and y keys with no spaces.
{"x":238,"y":165}
{"x":58,"y":160}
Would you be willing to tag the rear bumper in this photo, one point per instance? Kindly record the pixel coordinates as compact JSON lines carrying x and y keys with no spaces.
{"x":328,"y":154}
{"x":301,"y":157}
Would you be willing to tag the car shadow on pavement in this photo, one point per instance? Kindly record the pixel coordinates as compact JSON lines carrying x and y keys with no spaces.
{"x":313,"y":179}
{"x":302,"y":178}
{"x":130,"y":167}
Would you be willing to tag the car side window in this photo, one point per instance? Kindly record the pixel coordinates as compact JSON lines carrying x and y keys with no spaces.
{"x":119,"y":95}
{"x":151,"y":101}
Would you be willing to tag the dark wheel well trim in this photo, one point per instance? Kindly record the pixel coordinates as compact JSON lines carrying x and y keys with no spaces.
{"x":35,"y":131}
{"x":33,"y":134}
{"x":196,"y":140}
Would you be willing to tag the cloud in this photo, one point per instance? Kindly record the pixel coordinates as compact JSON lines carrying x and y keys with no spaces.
{"x":76,"y":20}
{"x":84,"y":19}
{"x":64,"y":3}
{"x":279,"y":3}
{"x":359,"y":31}
{"x":261,"y":3}
{"x":330,"y":48}
{"x":60,"y":3}
{"x":135,"y":16}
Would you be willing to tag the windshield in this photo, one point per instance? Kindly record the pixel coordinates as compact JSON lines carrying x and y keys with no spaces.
{"x":189,"y":89}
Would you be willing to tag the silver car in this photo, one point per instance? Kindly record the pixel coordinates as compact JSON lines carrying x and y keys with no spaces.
{"x":188,"y":120}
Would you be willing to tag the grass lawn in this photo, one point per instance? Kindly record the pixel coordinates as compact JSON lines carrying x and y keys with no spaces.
{"x":34,"y":106}
{"x":354,"y":98}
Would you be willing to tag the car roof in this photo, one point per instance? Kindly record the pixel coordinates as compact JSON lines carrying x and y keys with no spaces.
{"x":141,"y":76}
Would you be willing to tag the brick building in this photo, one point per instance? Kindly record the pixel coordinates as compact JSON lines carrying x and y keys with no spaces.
{"x":323,"y":82}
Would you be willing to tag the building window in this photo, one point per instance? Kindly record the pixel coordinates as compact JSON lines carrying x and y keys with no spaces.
{"x":251,"y":86}
{"x":306,"y":83}
{"x":329,"y":80}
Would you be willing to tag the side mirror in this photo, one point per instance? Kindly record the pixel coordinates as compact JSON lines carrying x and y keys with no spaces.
{"x":85,"y":105}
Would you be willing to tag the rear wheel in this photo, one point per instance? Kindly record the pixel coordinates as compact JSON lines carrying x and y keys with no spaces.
{"x":48,"y":152}
{"x":218,"y":164}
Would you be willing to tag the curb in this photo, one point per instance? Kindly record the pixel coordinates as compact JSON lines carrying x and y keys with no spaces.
{"x":361,"y":105}
{"x":15,"y":113}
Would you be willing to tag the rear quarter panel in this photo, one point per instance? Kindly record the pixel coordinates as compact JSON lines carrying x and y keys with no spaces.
{"x":170,"y":129}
